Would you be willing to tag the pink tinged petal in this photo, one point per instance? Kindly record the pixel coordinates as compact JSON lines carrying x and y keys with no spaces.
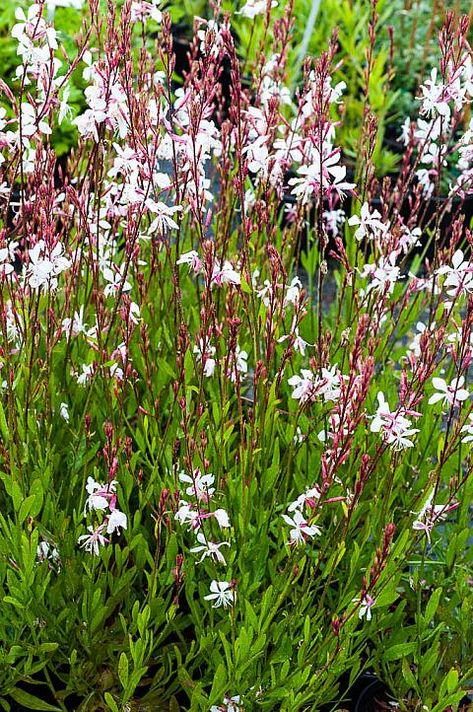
{"x":457,"y":259}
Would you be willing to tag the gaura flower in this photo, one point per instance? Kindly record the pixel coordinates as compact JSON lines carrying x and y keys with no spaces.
{"x":451,"y":393}
{"x":222,"y":593}
{"x":93,"y":541}
{"x":367,"y":602}
{"x":301,"y":530}
{"x":209,"y":548}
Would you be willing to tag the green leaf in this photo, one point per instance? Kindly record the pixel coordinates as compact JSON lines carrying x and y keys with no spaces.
{"x":48,"y":647}
{"x":111,"y":702}
{"x":399,"y":651}
{"x":449,"y":683}
{"x":387,"y":596}
{"x":245,"y":287}
{"x":30,"y":701}
{"x":3,"y":425}
{"x":123,"y":670}
{"x":12,"y":601}
{"x":408,"y":675}
{"x":16,"y":495}
{"x":432,"y":605}
{"x":219,"y":683}
{"x":25,"y":507}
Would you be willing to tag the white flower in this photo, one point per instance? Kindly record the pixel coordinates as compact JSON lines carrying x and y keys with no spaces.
{"x":239,"y":365}
{"x":322,"y":173}
{"x":426,"y":180}
{"x":30,"y":124}
{"x":209,"y":548}
{"x":224,"y":274}
{"x":333,"y":429}
{"x":142,"y":10}
{"x":93,"y":541}
{"x":45,"y":264}
{"x":427,"y":129}
{"x":398,"y":434}
{"x":200,"y":486}
{"x":46,"y":552}
{"x":266,"y":293}
{"x":382,"y":415}
{"x":116,"y":281}
{"x":192,"y":259}
{"x":163,"y":220}
{"x":334,"y":219}
{"x":116,"y":372}
{"x":252,"y":8}
{"x":369,"y":223}
{"x":221,"y":593}
{"x":87,"y":371}
{"x":310,"y":496}
{"x":367,"y":602}
{"x":87,"y":123}
{"x":76,"y":325}
{"x":430,"y":514}
{"x":27,"y":23}
{"x":100,"y":495}
{"x":116,"y":520}
{"x":258,"y":155}
{"x":205,"y":355}
{"x":394,"y":426}
{"x":329,"y":384}
{"x":305,"y":386}
{"x":134,"y":314}
{"x":187,"y":515}
{"x":125,"y":162}
{"x":468,"y":429}
{"x":414,"y":346}
{"x":292,"y":292}
{"x":230,"y":704}
{"x":5,"y":254}
{"x":64,"y":411}
{"x":459,"y":277}
{"x":452,"y":394}
{"x":383,"y":275}
{"x":300,"y":528}
{"x":222,"y":518}
{"x":434,"y":100}
{"x":64,"y":108}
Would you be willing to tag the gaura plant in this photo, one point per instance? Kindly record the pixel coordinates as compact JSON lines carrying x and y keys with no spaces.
{"x":236,"y":405}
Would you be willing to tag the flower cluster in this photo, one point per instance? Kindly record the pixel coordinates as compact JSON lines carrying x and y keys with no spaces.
{"x":394,"y":426}
{"x":102,"y":505}
{"x":201,"y":489}
{"x":301,"y":531}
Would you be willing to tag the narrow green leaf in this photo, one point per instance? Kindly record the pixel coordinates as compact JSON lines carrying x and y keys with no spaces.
{"x":432,"y":605}
{"x":25,"y":507}
{"x":111,"y":702}
{"x":3,"y":425}
{"x":399,"y":651}
{"x":31,"y":702}
{"x":123,"y":670}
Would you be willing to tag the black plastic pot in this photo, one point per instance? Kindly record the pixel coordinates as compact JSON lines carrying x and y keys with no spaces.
{"x":181,"y":41}
{"x":391,"y":139}
{"x":369,"y":694}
